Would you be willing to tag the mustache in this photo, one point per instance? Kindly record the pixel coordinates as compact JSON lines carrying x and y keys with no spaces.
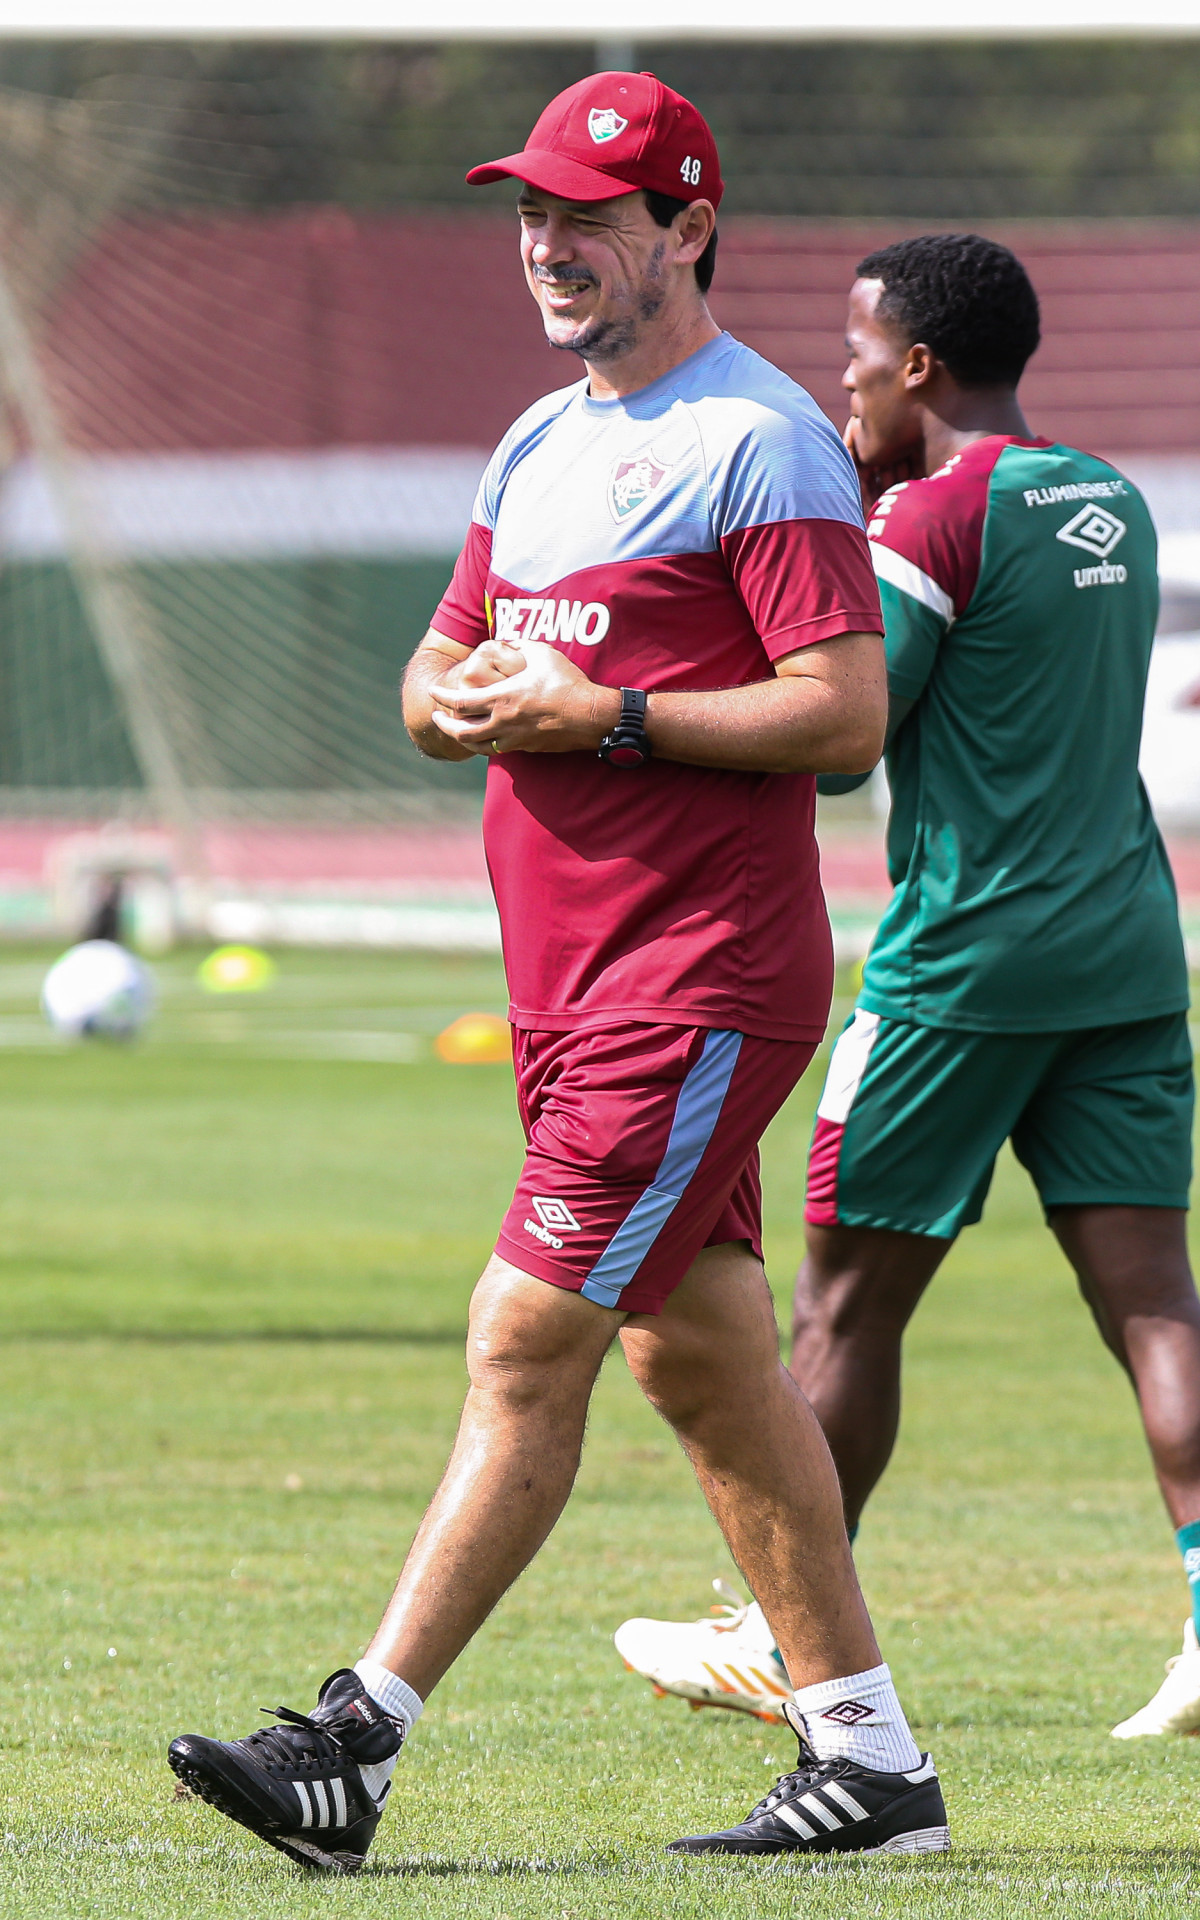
{"x":557,"y":276}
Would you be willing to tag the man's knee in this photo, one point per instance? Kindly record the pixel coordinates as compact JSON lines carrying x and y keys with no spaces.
{"x":1132,"y":1262}
{"x":527,"y":1339}
{"x":718,"y":1328}
{"x":857,"y":1277}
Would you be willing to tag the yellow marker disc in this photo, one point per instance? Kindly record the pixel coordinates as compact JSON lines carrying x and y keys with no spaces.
{"x":236,"y":970}
{"x":474,"y":1038}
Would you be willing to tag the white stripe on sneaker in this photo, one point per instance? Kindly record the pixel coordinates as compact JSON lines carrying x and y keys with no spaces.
{"x":793,"y":1820}
{"x":339,"y":1802}
{"x":306,"y":1812}
{"x":844,"y":1799}
{"x":824,"y":1814}
{"x":318,"y":1794}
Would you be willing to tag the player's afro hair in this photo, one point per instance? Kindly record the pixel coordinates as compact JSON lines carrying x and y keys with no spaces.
{"x":966,"y":297}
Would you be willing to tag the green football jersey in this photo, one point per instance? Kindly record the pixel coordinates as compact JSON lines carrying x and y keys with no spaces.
{"x":1032,"y":888}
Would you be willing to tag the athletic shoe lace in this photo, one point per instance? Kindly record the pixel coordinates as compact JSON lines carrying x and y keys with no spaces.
{"x":734,"y":1608}
{"x":277,"y":1748}
{"x":811,"y":1772}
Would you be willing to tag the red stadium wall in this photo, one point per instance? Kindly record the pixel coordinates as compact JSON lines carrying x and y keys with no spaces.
{"x":322,"y":328}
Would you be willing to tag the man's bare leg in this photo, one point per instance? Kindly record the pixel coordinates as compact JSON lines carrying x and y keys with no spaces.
{"x":710,"y":1365}
{"x":856,"y":1292}
{"x":533,"y":1352}
{"x":1133,"y":1271}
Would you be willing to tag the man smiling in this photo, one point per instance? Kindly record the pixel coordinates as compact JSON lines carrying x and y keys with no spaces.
{"x":663,"y":624}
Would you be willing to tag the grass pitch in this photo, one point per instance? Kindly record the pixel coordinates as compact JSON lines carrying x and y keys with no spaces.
{"x":236,"y":1265}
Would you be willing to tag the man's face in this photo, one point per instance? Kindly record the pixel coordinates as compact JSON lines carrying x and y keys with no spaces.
{"x":598,"y":270}
{"x":885,"y":414}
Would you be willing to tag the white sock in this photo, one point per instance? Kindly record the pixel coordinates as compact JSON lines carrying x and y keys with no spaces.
{"x":396,"y":1698}
{"x":860,"y":1719}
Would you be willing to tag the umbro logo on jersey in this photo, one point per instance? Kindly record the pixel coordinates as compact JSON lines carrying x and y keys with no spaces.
{"x":1094,"y":529}
{"x":605,"y":123}
{"x":551,"y":1214}
{"x":555,"y":1213}
{"x":632,"y":482}
{"x":847,"y":1713}
{"x":561,"y":622}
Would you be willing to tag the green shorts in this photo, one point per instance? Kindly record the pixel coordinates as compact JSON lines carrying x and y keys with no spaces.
{"x":912,"y":1118}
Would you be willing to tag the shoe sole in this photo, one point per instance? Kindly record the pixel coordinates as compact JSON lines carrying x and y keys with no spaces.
{"x":925,"y":1840}
{"x":740,"y":1703}
{"x":921,"y":1840}
{"x":216,"y":1795}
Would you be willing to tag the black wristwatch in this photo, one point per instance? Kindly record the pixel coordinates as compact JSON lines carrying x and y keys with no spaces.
{"x":627,"y":745}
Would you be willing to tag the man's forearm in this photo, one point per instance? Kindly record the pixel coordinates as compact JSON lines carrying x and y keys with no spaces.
{"x":775,"y":726}
{"x":427,"y":666}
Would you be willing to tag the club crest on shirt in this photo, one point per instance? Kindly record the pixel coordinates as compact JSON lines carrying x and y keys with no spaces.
{"x":632,"y":482}
{"x":605,"y":123}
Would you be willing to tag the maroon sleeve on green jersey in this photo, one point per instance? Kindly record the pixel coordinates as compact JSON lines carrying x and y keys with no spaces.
{"x":926,"y":538}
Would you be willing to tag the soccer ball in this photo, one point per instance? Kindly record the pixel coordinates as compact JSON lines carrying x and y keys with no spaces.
{"x":98,"y":990}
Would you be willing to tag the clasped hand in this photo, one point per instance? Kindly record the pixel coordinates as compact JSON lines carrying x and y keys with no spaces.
{"x":528,"y":699}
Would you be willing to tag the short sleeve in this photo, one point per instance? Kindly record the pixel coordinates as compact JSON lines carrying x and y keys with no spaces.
{"x":462,"y":613}
{"x":925,"y":540}
{"x":803,"y":581}
{"x":788,"y":517}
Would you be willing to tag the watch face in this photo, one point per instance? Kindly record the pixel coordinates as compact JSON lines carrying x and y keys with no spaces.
{"x":626,"y":756}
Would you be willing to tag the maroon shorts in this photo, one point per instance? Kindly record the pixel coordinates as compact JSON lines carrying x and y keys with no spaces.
{"x":643,"y":1148}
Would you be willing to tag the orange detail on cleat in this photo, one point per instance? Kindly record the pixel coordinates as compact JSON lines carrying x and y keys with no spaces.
{"x":770,"y":1686}
{"x":660,"y":1693}
{"x":627,"y":1666}
{"x":724,"y":1684}
{"x":741,"y":1680}
{"x":696,"y":1705}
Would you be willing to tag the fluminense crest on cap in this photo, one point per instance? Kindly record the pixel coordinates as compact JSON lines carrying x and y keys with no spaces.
{"x":605,"y":123}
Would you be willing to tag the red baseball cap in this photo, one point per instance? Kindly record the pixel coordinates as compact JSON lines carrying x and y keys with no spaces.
{"x":611,"y":134}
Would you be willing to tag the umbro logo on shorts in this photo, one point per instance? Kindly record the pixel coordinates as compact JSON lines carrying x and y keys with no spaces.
{"x":847,"y":1713}
{"x":555,"y":1214}
{"x":552,"y":1214}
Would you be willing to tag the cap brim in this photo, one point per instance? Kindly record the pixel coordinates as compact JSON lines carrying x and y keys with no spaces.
{"x":554,"y":173}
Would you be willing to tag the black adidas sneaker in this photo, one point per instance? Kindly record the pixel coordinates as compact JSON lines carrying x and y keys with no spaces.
{"x":300,"y":1786}
{"x":834,"y":1806}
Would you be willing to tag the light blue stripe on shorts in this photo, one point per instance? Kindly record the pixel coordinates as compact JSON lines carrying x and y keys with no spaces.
{"x":697,"y":1111}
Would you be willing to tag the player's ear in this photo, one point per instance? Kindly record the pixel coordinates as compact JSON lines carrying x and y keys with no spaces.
{"x":695,"y":228}
{"x":920,"y":365}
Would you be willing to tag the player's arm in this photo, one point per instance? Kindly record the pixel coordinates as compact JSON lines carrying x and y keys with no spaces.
{"x":437,"y":659}
{"x":831,"y":785}
{"x":825,"y":709}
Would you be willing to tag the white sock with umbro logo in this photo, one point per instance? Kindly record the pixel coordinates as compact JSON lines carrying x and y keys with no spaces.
{"x":860,"y":1719}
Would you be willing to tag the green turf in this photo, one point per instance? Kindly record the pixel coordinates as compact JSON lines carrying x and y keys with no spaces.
{"x":222,"y":1503}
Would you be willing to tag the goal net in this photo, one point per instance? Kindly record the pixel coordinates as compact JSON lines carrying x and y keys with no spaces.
{"x":213,"y":558}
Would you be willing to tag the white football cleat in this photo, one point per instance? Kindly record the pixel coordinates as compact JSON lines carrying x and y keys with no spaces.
{"x":730,"y":1661}
{"x":1175,"y":1708}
